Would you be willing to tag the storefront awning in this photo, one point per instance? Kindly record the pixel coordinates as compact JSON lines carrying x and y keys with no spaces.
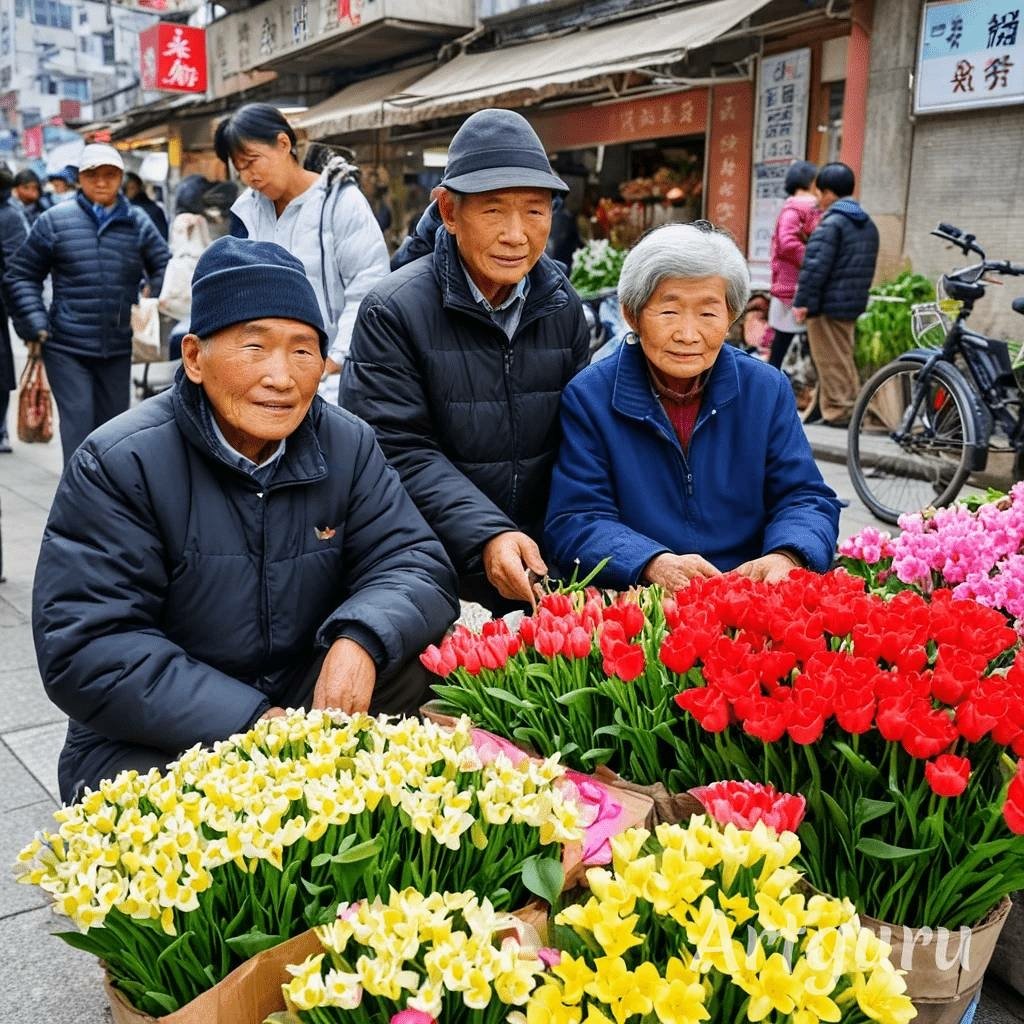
{"x":521,"y":75}
{"x":357,"y":107}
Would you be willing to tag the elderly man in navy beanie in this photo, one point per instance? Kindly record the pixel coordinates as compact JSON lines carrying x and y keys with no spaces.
{"x":459,"y":359}
{"x":232,"y":547}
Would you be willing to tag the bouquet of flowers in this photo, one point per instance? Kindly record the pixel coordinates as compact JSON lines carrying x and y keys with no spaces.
{"x":973,"y":549}
{"x":415,"y":959}
{"x":175,"y":878}
{"x":885,"y":714}
{"x":581,"y":678}
{"x":706,"y":923}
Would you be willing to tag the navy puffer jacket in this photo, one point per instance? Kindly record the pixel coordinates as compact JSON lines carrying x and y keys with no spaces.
{"x":96,"y":271}
{"x":468,"y":418}
{"x":175,"y":597}
{"x":839,"y":264}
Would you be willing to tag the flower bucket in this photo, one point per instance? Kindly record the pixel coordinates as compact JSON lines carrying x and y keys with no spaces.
{"x":944,"y":969}
{"x":248,"y":995}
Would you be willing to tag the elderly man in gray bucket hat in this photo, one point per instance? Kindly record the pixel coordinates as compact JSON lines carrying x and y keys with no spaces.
{"x":459,"y":359}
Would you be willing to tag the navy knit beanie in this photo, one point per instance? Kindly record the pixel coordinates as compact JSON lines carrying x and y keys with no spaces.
{"x":237,"y":280}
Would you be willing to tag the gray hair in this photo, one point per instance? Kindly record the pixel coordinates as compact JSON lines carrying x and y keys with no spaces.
{"x":683,"y":250}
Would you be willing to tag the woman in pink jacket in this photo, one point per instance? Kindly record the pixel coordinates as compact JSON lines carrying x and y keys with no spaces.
{"x":799,"y":217}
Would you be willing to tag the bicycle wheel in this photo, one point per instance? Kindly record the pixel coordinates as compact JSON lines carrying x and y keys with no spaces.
{"x":899,"y":467}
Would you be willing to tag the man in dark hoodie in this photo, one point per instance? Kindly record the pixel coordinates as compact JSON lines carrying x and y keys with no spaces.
{"x":832,"y":292}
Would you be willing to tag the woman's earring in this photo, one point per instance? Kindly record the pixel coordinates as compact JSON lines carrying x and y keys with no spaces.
{"x":631,"y":338}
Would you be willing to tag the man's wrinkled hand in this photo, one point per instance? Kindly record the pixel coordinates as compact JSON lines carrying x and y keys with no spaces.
{"x":674,"y":571}
{"x":771,"y":568}
{"x":508,"y":559}
{"x":346,"y":680}
{"x":272,"y":713}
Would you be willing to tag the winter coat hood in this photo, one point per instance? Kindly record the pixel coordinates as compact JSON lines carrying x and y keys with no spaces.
{"x":421,"y":241}
{"x":849,"y":208}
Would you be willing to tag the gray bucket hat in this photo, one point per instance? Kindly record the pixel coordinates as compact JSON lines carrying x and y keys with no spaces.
{"x":498,"y":149}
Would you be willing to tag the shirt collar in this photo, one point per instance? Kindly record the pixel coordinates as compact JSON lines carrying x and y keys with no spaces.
{"x":236,"y":456}
{"x":519,"y":293}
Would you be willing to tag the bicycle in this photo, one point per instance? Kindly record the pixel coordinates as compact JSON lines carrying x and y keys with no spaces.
{"x":928,"y":420}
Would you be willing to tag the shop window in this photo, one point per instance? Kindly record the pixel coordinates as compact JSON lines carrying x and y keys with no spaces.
{"x":620,"y":191}
{"x":20,"y":8}
{"x":108,"y":47}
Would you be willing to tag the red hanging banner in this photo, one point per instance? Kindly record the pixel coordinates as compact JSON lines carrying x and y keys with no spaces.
{"x":173,"y":58}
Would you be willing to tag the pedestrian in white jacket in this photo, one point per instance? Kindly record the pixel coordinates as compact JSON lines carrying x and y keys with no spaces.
{"x":322,"y":218}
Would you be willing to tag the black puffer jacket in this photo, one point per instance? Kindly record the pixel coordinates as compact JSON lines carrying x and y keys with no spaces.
{"x":175,"y":597}
{"x":96,"y":274}
{"x":839,"y":264}
{"x":468,"y":418}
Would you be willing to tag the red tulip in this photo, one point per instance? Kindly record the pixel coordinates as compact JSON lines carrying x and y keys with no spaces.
{"x":549,"y":642}
{"x":1013,"y":809}
{"x":708,"y":706}
{"x":579,"y":643}
{"x":948,"y":774}
{"x":625,"y":661}
{"x":744,"y":804}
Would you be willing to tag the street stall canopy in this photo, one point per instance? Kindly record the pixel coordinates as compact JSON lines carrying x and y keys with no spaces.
{"x":357,"y":107}
{"x":531,"y":72}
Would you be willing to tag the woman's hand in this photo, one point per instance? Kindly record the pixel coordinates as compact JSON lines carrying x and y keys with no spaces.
{"x":674,"y":571}
{"x":771,"y":568}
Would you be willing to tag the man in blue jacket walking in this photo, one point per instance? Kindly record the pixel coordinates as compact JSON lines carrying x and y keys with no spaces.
{"x":97,"y":250}
{"x":233,"y":546}
{"x":839,"y":265}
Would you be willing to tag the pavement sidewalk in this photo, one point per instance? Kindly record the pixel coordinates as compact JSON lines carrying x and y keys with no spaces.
{"x":47,"y":981}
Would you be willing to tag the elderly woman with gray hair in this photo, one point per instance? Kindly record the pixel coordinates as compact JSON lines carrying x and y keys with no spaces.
{"x":681,"y":457}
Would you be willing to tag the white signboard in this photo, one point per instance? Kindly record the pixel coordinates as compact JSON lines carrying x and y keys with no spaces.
{"x":971,"y":55}
{"x":780,"y":137}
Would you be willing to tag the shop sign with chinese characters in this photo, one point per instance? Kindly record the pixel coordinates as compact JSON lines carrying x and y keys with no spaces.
{"x":779,"y":139}
{"x":728,"y":160}
{"x":971,"y":55}
{"x":173,"y":58}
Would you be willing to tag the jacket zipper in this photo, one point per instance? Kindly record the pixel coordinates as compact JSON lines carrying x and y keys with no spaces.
{"x":507,"y":367}
{"x":262,"y":497}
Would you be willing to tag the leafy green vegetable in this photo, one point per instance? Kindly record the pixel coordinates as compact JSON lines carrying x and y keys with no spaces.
{"x":884,"y":330}
{"x":596,"y":267}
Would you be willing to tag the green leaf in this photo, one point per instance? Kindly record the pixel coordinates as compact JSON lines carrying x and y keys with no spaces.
{"x":597,"y":755}
{"x":86,"y":943}
{"x":543,"y":876}
{"x":508,"y":698}
{"x":315,"y":890}
{"x":866,"y":810}
{"x":839,"y":819}
{"x":577,"y":696}
{"x":864,"y":768}
{"x":163,"y":1000}
{"x":175,"y":947}
{"x":254,"y":942}
{"x":877,"y":850}
{"x":361,"y":852}
{"x":320,"y":860}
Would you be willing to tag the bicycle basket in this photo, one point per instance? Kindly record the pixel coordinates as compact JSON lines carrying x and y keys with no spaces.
{"x":931,"y":321}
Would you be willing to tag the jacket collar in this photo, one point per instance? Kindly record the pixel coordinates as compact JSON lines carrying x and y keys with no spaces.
{"x":633,"y":396}
{"x":546,"y":292}
{"x":122,"y":210}
{"x":303,"y":460}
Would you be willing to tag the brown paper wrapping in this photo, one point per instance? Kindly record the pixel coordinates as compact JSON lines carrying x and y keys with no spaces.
{"x":944,"y":968}
{"x":248,"y":995}
{"x":666,"y":808}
